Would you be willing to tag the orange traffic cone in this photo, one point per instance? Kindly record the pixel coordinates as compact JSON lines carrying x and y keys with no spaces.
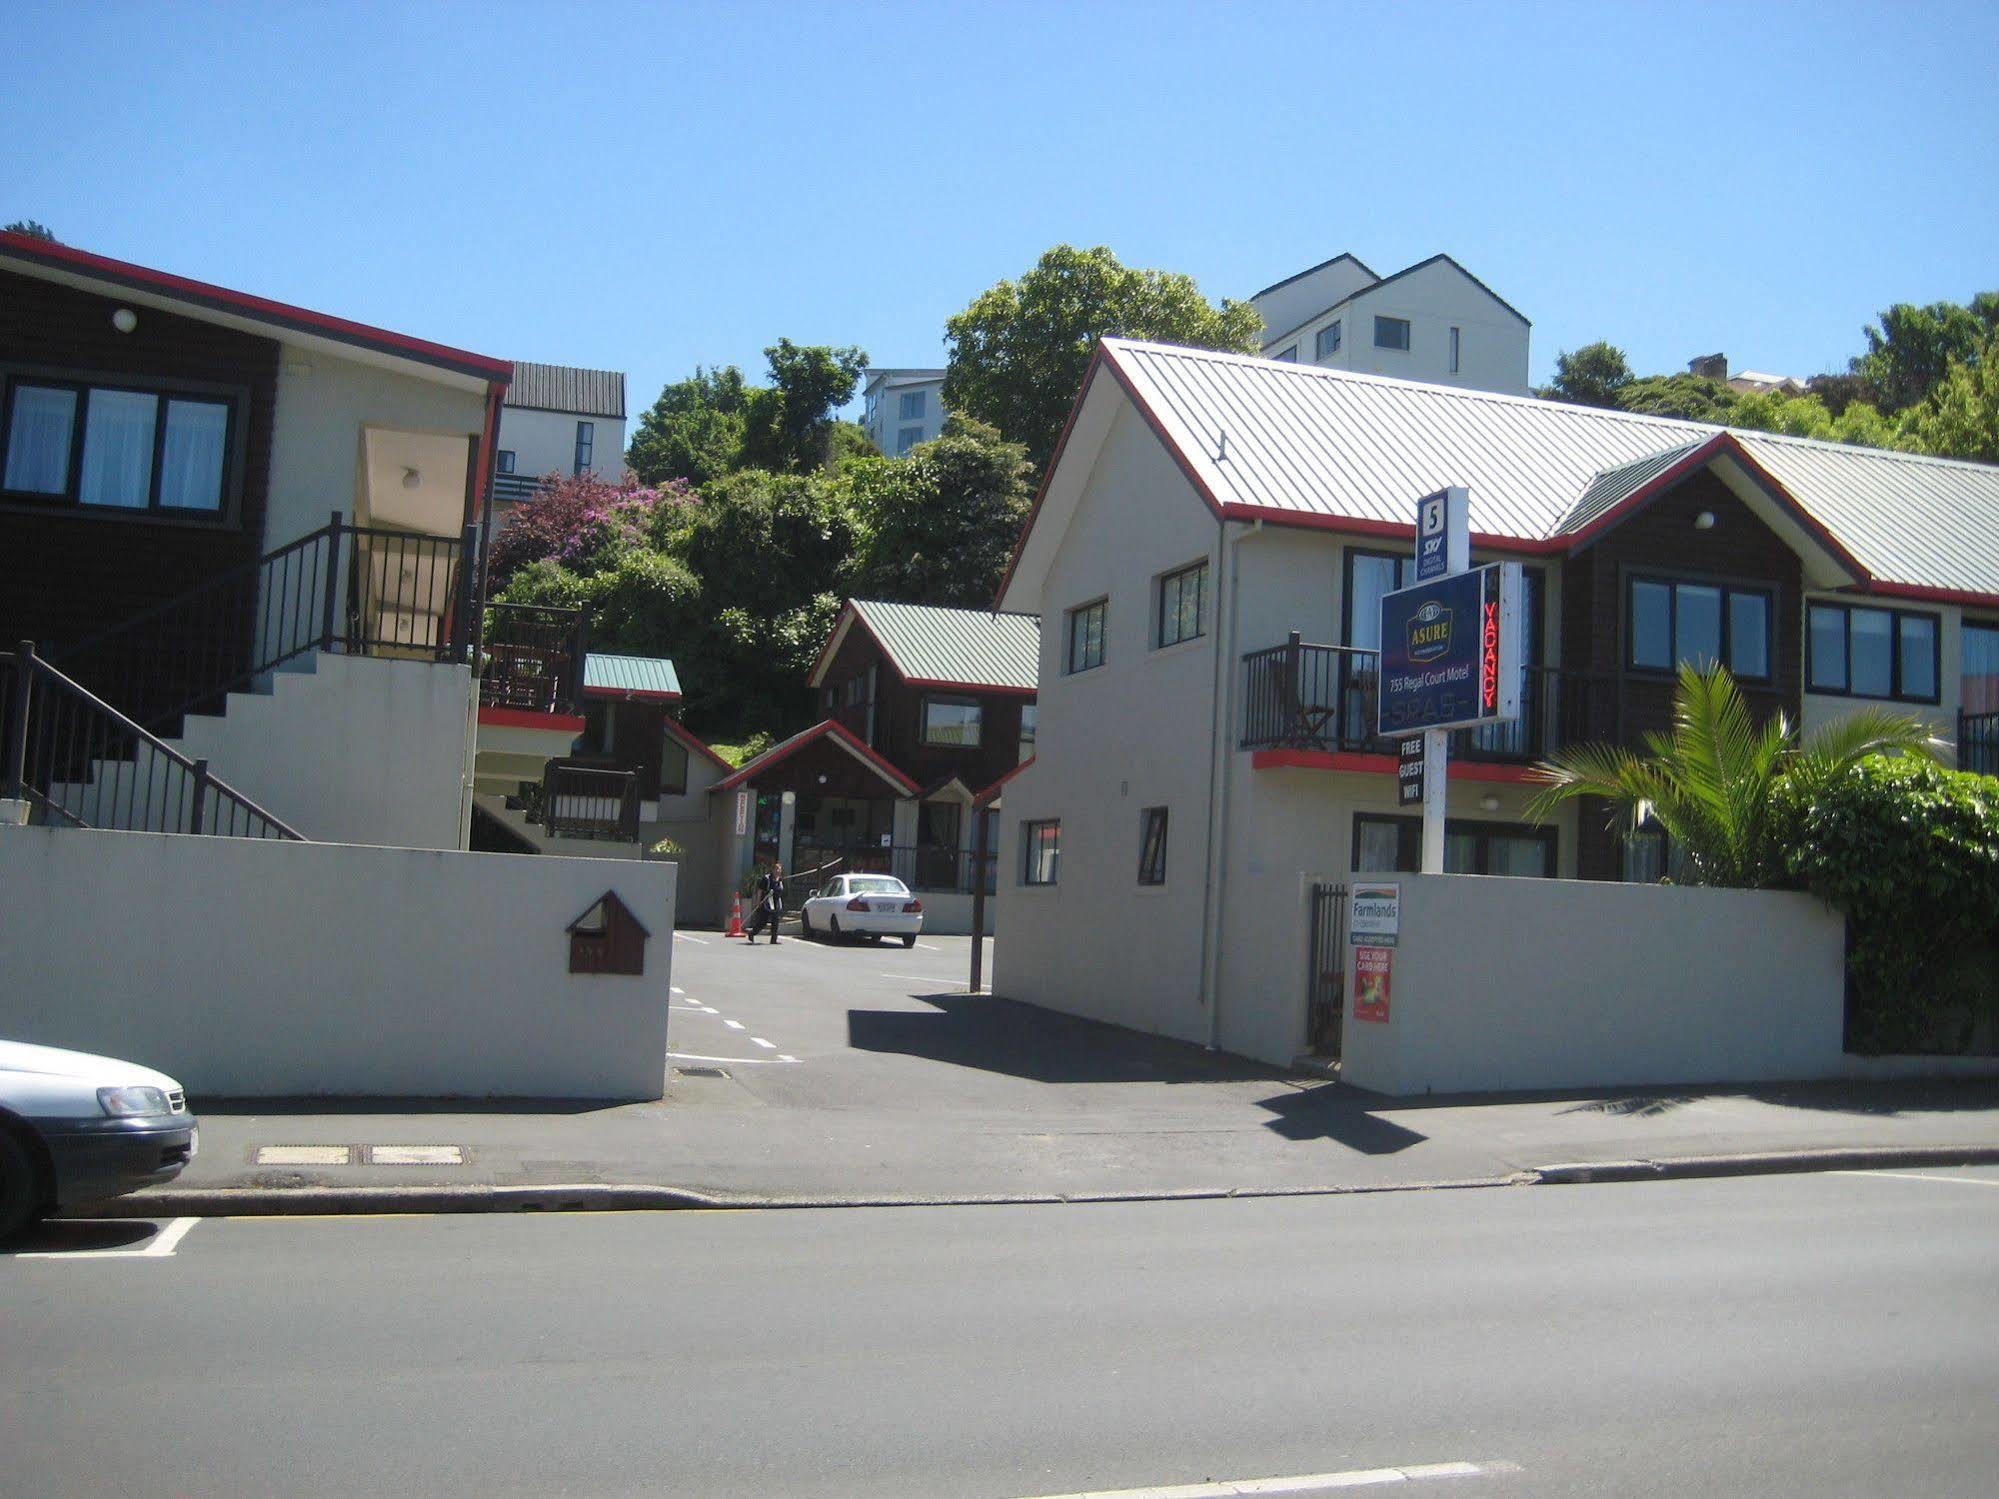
{"x":735,"y":920}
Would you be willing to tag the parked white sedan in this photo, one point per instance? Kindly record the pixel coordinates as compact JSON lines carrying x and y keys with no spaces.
{"x":863,"y":905}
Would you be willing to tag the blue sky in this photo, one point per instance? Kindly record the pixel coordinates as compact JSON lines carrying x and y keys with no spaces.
{"x":648,"y":188}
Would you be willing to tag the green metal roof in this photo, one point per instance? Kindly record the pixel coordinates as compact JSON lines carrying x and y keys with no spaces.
{"x":614,"y":676}
{"x":933,"y":646}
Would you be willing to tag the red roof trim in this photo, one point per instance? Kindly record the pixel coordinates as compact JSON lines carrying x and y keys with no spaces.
{"x":932,"y":684}
{"x":222,"y":299}
{"x":522,"y":718}
{"x":693,"y":742}
{"x":993,"y":790}
{"x":825,"y":729}
{"x":1399,"y":530}
{"x":1353,"y":760}
{"x":1933,"y":594}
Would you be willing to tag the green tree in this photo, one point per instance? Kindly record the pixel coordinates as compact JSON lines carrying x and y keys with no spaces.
{"x":788,"y":426}
{"x":1911,"y":350}
{"x":1018,"y":352}
{"x":1693,"y":397}
{"x":767,"y":543}
{"x":694,"y":431}
{"x":939,"y":526}
{"x":1591,"y":376}
{"x":30,"y":227}
{"x":1961,"y":417}
{"x":1712,"y":782}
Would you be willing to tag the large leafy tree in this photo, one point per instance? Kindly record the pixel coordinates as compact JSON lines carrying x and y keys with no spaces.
{"x":1591,"y":376}
{"x":789,"y":424}
{"x":694,"y":431}
{"x":1712,"y":782}
{"x":1961,"y":417}
{"x":713,"y":423}
{"x":1693,"y":397}
{"x":1911,"y":349}
{"x":1018,"y":353}
{"x":939,"y":525}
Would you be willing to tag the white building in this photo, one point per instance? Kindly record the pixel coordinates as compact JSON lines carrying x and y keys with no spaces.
{"x":1433,"y":321}
{"x":904,"y":407}
{"x":559,"y":420}
{"x":1208,"y":554}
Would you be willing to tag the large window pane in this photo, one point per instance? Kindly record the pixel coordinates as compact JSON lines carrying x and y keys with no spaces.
{"x":1749,"y":634}
{"x":1828,"y":649}
{"x":1871,"y":641}
{"x":1507,"y":853}
{"x":192,"y":454}
{"x":1378,"y":848}
{"x":1919,"y":656}
{"x":1979,"y":678}
{"x":1372,"y":579}
{"x":1651,"y":625}
{"x":38,"y":439}
{"x":1460,"y":853}
{"x":1697,"y":627}
{"x":118,"y":449}
{"x":951,"y":721}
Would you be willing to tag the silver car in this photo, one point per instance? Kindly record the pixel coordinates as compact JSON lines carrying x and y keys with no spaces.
{"x":77,"y":1129}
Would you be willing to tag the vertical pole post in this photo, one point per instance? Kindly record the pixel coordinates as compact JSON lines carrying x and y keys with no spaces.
{"x":332,"y":581}
{"x":17,"y":747}
{"x":1436,"y":754}
{"x":468,"y":560}
{"x":979,"y":853}
{"x":200,"y":798}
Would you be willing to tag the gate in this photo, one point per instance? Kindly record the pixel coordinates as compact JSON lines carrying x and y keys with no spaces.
{"x":1325,"y":979}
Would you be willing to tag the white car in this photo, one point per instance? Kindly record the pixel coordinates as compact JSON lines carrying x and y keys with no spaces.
{"x":863,"y":905}
{"x":77,"y":1129}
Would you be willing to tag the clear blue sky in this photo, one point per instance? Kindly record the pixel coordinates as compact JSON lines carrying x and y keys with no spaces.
{"x":648,"y":188}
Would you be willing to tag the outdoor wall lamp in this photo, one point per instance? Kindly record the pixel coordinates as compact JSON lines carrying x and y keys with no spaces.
{"x":411,"y":478}
{"x":124,"y":320}
{"x":1489,"y":802}
{"x":1704,"y":521}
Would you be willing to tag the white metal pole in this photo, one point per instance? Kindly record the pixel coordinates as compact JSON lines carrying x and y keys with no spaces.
{"x":1436,"y":754}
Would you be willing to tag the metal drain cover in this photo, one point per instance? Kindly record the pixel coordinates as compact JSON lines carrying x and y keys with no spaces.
{"x":702,"y":1071}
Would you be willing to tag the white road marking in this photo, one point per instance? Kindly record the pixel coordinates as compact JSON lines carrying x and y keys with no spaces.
{"x":734,"y":1025}
{"x":688,"y":1056}
{"x":676,"y":988}
{"x":766,"y":1045}
{"x":683,"y":937}
{"x":928,"y":948}
{"x":416,"y":1155}
{"x":921,"y":978}
{"x":303,"y":1155}
{"x":783,"y":1058}
{"x":161,"y":1247}
{"x":1918,"y":1176}
{"x":1304,"y":1483}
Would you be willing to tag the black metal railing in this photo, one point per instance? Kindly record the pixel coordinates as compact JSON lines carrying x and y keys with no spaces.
{"x":1325,"y":979}
{"x":82,"y":763}
{"x":363,"y":590}
{"x":1326,"y":697}
{"x":1978,"y":742}
{"x":924,"y":868}
{"x":531,"y":658}
{"x":589,"y":801}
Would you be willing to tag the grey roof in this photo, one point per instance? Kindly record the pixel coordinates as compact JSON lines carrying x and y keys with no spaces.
{"x":959,"y":647}
{"x":616,"y":674}
{"x":1314,"y":442}
{"x":1615,"y":485}
{"x":904,"y":377}
{"x":1313,"y":270}
{"x":559,"y":387}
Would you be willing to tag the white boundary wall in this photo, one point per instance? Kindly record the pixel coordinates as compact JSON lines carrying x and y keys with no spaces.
{"x":247,"y":968}
{"x":1522,"y":984}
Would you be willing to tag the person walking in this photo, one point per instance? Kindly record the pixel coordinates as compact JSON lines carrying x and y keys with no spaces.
{"x":770,"y":903}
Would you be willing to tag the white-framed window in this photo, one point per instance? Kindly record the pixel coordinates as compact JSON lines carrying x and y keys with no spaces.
{"x":586,"y":441}
{"x":910,"y":407}
{"x":906,"y":439}
{"x":1152,"y":846}
{"x":1183,"y":597}
{"x":951,"y":722}
{"x":1027,"y":717}
{"x":1391,"y":333}
{"x":506,"y":460}
{"x":117,"y":447}
{"x":1328,"y":340}
{"x":1086,"y":635}
{"x":1455,"y":339}
{"x":1041,"y":851}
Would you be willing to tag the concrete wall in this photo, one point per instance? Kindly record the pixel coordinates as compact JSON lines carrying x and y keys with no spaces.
{"x":1519,"y":984}
{"x":883,"y":417}
{"x":255,"y":969}
{"x":544,"y":442}
{"x":1290,"y":304}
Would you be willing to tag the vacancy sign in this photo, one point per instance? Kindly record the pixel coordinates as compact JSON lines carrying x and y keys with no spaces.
{"x":1451,"y":651}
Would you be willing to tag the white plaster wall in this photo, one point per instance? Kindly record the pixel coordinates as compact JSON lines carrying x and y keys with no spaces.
{"x":357,"y":750}
{"x":246,"y":968}
{"x":1493,"y":347}
{"x":544,"y":442}
{"x":1289,"y":305}
{"x":1130,"y":734}
{"x":690,"y":821}
{"x":1506,"y":984}
{"x":887,"y":425}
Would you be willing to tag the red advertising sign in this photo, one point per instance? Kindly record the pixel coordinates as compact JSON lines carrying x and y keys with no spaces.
{"x":1371,"y":966}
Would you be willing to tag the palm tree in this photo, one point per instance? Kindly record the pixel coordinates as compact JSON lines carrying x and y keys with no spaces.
{"x":1711,"y":782}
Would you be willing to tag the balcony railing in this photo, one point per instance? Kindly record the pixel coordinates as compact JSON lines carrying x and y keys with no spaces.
{"x":532,"y":658}
{"x":1978,"y":742}
{"x":589,"y":801}
{"x":924,"y":868}
{"x":1325,"y":697}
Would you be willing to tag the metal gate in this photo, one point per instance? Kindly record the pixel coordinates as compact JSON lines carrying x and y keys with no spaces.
{"x":1325,"y":979}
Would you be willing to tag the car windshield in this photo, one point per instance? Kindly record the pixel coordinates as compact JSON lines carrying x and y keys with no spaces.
{"x":879,"y":885}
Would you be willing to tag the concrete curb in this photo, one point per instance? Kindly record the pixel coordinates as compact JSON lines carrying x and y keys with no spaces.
{"x":1766,"y":1163}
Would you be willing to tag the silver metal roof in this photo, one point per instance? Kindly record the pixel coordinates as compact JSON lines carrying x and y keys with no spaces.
{"x":1308,"y":441}
{"x":969,"y":647}
{"x":614,"y":674}
{"x":559,"y":387}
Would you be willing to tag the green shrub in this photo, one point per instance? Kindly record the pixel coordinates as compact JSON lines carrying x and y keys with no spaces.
{"x":1909,"y":851}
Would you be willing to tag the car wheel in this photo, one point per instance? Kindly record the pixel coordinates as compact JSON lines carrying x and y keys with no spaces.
{"x":909,"y":940}
{"x":20,"y":1199}
{"x":833,"y":934}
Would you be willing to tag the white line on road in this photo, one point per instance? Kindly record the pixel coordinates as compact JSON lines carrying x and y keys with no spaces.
{"x":921,"y":978}
{"x":928,"y":948}
{"x":676,"y":988}
{"x":161,"y":1247}
{"x":683,"y":937}
{"x":688,"y":1056}
{"x":782,"y":1058}
{"x":1918,"y":1176}
{"x":734,"y":1025}
{"x":766,"y":1045}
{"x":1304,"y":1483}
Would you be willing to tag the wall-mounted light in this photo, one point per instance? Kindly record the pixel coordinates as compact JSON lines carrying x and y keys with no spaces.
{"x":124,"y":320}
{"x":1489,"y":802}
{"x":411,"y":478}
{"x":1704,"y":521}
{"x":822,"y":777}
{"x":790,"y":798}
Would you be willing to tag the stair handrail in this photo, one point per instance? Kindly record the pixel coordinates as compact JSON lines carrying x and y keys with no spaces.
{"x":203,"y":782}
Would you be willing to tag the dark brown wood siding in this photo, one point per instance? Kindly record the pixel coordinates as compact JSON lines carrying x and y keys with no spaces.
{"x":1662,"y":541}
{"x":65,"y":574}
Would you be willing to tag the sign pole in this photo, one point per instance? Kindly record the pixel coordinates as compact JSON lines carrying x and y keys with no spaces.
{"x":1443,"y":549}
{"x":1436,"y":754}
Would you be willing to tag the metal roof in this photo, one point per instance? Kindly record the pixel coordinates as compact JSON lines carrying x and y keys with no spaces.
{"x":1613,"y":486}
{"x":649,"y":676}
{"x":934,"y":646}
{"x":1328,"y":445}
{"x":559,"y":387}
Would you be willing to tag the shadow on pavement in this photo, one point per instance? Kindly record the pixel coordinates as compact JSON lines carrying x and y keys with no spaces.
{"x":1342,"y":1115}
{"x":81,"y":1236}
{"x":279,"y":1108}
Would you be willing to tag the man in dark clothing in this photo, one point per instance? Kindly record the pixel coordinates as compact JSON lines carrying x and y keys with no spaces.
{"x":770,"y":903}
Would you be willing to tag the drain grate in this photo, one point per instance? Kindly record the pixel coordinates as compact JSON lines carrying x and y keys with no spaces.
{"x":702,"y":1071}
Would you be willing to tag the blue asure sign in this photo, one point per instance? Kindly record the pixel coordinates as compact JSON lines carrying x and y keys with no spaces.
{"x":1449,"y":656}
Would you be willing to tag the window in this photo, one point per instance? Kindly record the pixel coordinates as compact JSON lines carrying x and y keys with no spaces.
{"x":952,"y":722}
{"x":906,"y":439}
{"x":1181,"y":597}
{"x":1288,"y":355}
{"x":1152,"y":846}
{"x":586,"y":439}
{"x":910,"y":408}
{"x":1328,"y":340}
{"x":1391,"y":333}
{"x":857,"y":689}
{"x":1887,"y":653}
{"x":1454,"y":351}
{"x":1394,"y":845}
{"x":118,"y":449}
{"x":1027,"y":713}
{"x":672,"y":767}
{"x":1978,"y":675}
{"x":506,"y":461}
{"x":1670,"y":622}
{"x":1086,"y":635}
{"x":1041,"y":851}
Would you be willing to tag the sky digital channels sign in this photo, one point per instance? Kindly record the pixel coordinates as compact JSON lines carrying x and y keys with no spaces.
{"x":1451,"y":651}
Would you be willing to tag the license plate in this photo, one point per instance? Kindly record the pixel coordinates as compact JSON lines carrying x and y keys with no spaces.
{"x":884,"y":905}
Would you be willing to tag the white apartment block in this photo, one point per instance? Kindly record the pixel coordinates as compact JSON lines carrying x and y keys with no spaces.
{"x":1433,"y":321}
{"x":904,"y":407}
{"x":559,"y":420}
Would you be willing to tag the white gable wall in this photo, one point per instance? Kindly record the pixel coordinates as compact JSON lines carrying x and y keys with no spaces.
{"x":1493,"y":343}
{"x":1290,"y":304}
{"x":544,"y":442}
